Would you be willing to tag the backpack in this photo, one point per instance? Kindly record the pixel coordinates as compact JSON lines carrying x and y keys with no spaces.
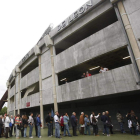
{"x":62,"y":120}
{"x":10,"y":124}
{"x":94,"y":122}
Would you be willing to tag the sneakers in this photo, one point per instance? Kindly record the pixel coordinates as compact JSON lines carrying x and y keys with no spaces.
{"x":40,"y":137}
{"x":103,"y":133}
{"x":108,"y":135}
{"x":31,"y":137}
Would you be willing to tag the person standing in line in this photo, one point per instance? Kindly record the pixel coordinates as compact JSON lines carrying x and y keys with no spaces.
{"x":74,"y":123}
{"x":7,"y":121}
{"x":95,"y":126}
{"x":91,"y":121}
{"x":82,"y":123}
{"x":51,"y":122}
{"x":128,"y":116}
{"x":22,"y":127}
{"x":104,"y":119}
{"x":62,"y":124}
{"x":120,"y":121}
{"x":38,"y":123}
{"x":57,"y":126}
{"x":1,"y":125}
{"x":12,"y":125}
{"x":31,"y":124}
{"x":87,"y":125}
{"x":66,"y":126}
{"x":109,"y":123}
{"x":48,"y":122}
{"x":25,"y":124}
{"x":134,"y":121}
{"x":35,"y":124}
{"x":17,"y":123}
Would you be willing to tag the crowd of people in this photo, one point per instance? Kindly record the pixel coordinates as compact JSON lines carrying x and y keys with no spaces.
{"x":19,"y":124}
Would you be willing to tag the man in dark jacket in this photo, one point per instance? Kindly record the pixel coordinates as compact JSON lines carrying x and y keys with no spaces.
{"x":104,"y":119}
{"x":74,"y":123}
{"x":35,"y":118}
{"x":48,"y":122}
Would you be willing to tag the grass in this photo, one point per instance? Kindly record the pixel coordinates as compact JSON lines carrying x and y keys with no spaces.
{"x":116,"y":136}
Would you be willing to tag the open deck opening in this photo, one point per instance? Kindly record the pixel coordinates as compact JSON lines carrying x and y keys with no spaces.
{"x":114,"y":59}
{"x":107,"y":18}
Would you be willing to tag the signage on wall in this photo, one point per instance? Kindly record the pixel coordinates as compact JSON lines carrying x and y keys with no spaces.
{"x":28,"y":104}
{"x":75,"y":15}
{"x":25,"y":57}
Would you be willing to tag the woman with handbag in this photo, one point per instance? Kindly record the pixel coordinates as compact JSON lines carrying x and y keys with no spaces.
{"x":87,"y":125}
{"x":25,"y":124}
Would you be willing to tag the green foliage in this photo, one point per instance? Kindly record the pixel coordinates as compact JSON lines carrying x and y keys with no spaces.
{"x":3,"y":110}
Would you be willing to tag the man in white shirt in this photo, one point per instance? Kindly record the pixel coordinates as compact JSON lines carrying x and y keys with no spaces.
{"x":102,"y":70}
{"x":57,"y":126}
{"x":7,"y":121}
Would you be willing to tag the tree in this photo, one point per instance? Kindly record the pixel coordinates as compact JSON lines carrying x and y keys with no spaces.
{"x":3,"y":110}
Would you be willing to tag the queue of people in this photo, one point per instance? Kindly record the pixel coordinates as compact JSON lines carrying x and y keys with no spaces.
{"x":20,"y":124}
{"x":87,"y":122}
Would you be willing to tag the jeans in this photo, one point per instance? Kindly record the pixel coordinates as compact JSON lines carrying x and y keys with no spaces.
{"x":87,"y":128}
{"x":17,"y":132}
{"x":38,"y":131}
{"x":25,"y":129}
{"x":57,"y":130}
{"x":106,"y":129}
{"x":66,"y":128}
{"x":121,"y":127}
{"x":49,"y":129}
{"x":30,"y":130}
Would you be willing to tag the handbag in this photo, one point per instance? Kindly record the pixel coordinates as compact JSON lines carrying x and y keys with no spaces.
{"x":19,"y":127}
{"x":25,"y":125}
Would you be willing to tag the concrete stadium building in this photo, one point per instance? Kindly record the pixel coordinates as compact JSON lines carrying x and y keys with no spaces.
{"x":100,"y":33}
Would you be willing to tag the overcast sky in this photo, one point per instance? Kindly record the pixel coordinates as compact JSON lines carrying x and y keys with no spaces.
{"x":22,"y":22}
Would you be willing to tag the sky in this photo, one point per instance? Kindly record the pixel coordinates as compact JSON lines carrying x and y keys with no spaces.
{"x":22,"y":23}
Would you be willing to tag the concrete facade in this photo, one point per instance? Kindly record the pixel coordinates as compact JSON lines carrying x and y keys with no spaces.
{"x":120,"y":79}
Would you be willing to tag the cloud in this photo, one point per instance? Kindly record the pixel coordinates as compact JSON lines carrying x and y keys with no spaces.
{"x":22,"y":24}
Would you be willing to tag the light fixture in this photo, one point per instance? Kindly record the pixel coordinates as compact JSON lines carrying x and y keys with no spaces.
{"x":94,"y":68}
{"x":126,"y":57}
{"x":63,"y":79}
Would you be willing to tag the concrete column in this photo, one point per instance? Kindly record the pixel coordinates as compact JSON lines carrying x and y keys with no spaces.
{"x":129,"y":32}
{"x":49,"y":43}
{"x":15,"y":98}
{"x":40,"y":89}
{"x":19,"y":93}
{"x":9,"y":87}
{"x":18,"y":76}
{"x":53,"y":79}
{"x":38,"y":53}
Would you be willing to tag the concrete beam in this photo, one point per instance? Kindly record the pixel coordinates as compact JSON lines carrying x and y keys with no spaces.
{"x":48,"y":41}
{"x":37,"y":50}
